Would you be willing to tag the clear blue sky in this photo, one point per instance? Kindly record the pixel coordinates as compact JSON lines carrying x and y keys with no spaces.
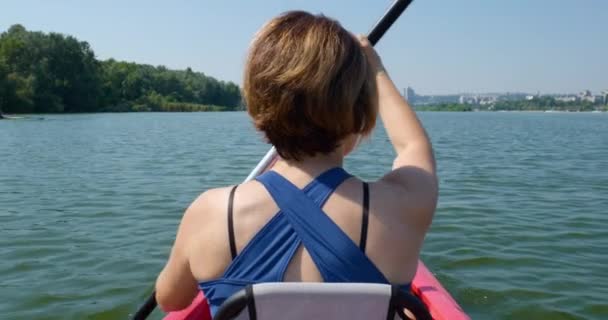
{"x":438,"y":46}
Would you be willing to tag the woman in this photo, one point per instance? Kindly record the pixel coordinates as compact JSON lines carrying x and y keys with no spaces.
{"x":313,"y":90}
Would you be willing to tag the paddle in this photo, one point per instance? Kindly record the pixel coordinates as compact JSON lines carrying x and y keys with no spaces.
{"x":379,"y":29}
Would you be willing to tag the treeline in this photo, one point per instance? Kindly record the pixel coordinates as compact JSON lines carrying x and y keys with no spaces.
{"x":52,"y":73}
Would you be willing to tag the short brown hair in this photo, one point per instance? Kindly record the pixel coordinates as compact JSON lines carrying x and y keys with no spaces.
{"x":307,"y":85}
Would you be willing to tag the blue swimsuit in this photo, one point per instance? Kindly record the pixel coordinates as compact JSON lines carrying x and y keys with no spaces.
{"x":300,"y":221}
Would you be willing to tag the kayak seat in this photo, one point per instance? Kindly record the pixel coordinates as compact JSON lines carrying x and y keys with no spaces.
{"x":336,"y":301}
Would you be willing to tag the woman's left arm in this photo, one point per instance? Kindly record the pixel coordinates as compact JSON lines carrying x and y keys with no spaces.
{"x":176,"y":287}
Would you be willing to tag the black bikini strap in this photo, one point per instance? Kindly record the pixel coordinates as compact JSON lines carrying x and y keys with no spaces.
{"x":365,"y":218}
{"x":231,"y":223}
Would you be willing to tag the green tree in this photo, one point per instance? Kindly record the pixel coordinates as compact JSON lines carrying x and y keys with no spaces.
{"x":56,"y":73}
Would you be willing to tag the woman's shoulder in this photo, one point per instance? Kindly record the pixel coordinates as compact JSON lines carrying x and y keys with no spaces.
{"x":208,"y":204}
{"x":203,"y":231}
{"x":413,"y":202}
{"x":213,"y":204}
{"x":204,"y":214}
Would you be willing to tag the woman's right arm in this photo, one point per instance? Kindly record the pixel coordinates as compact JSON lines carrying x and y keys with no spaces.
{"x":414,"y":170}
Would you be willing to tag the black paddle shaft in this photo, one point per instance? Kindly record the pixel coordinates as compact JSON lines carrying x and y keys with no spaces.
{"x":387,"y":20}
{"x":146,"y":309}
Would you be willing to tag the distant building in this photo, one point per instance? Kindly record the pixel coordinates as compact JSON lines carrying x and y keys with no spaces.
{"x":585,"y":93}
{"x":529,"y":97}
{"x":586,"y":96}
{"x":409,"y":94}
{"x":605,"y":95}
{"x":470,"y":99}
{"x":488,"y":100}
{"x":566,"y":98}
{"x":599,"y":99}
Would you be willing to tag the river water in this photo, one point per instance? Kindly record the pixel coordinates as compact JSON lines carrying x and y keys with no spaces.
{"x":89,"y":206}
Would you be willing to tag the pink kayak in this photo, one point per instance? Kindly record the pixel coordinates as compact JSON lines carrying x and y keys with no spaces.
{"x":439,"y":302}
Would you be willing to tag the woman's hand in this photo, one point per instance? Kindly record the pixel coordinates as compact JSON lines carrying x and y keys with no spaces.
{"x":372,"y":56}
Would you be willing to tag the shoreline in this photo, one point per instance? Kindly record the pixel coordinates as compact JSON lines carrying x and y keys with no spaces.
{"x":13,"y":115}
{"x":114,"y":112}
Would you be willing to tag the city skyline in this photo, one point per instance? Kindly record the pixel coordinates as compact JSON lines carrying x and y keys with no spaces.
{"x":437,"y":47}
{"x":489,"y":98}
{"x":533,"y":92}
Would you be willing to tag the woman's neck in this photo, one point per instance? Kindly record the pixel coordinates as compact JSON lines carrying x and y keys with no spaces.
{"x":307,"y":168}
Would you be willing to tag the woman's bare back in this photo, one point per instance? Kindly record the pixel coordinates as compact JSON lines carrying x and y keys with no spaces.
{"x":393,"y":245}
